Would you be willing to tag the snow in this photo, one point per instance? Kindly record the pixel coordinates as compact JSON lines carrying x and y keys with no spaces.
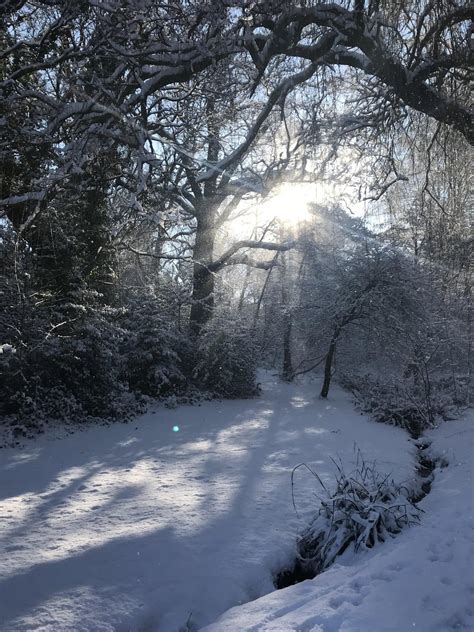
{"x":423,"y":580}
{"x":142,"y":527}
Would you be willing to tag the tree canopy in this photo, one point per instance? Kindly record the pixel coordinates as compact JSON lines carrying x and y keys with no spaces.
{"x":139,"y":143}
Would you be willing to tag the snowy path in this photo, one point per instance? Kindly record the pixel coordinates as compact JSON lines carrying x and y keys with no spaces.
{"x":137,"y":527}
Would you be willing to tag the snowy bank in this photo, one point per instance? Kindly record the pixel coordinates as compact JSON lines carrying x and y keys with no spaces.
{"x":423,"y":580}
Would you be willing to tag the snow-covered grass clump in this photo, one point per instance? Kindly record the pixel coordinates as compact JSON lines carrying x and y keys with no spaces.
{"x":364,"y":508}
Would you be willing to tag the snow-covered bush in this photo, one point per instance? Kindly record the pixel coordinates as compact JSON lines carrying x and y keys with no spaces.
{"x":226,"y":360}
{"x":153,"y":349}
{"x":67,"y":366}
{"x":60,"y":354}
{"x":85,"y":363}
{"x":364,"y":508}
{"x":9,"y":375}
{"x":404,"y":403}
{"x":72,"y":356}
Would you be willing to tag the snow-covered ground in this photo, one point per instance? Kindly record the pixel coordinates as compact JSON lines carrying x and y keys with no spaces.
{"x":143,"y":526}
{"x":423,"y":580}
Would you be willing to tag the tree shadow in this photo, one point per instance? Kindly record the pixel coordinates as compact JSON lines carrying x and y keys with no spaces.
{"x":166,"y":563}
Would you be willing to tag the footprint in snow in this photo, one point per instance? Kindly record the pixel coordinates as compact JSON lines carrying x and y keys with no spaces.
{"x":396,"y":567}
{"x":15,"y":547}
{"x":447,"y":581}
{"x":337,"y":602}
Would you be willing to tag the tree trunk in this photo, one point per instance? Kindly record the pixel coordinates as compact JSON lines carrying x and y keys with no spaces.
{"x":328,"y":365}
{"x":203,"y":279}
{"x":245,"y":285}
{"x":287,"y":369}
{"x":288,"y":373}
{"x":206,"y":230}
{"x":260,"y":298}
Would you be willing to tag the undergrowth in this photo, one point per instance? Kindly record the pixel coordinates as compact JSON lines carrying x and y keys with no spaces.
{"x":364,"y":508}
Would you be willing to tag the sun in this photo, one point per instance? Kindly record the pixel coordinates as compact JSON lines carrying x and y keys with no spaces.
{"x":288,"y":204}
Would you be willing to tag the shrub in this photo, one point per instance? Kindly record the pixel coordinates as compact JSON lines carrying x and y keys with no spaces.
{"x":226,"y":364}
{"x":364,"y":508}
{"x":402,"y":403}
{"x":66,"y":366}
{"x":153,"y":349}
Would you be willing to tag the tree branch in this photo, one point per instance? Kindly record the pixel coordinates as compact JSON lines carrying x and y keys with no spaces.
{"x":223,"y":260}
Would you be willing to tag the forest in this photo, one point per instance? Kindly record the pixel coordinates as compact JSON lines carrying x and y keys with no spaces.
{"x":139,"y":142}
{"x":198,"y":193}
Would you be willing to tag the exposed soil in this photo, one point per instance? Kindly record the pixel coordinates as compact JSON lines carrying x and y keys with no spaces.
{"x":292,"y":576}
{"x":425,"y":468}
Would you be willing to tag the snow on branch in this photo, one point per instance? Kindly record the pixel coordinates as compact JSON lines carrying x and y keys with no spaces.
{"x":278,"y":96}
{"x":228,"y":257}
{"x":357,"y":40}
